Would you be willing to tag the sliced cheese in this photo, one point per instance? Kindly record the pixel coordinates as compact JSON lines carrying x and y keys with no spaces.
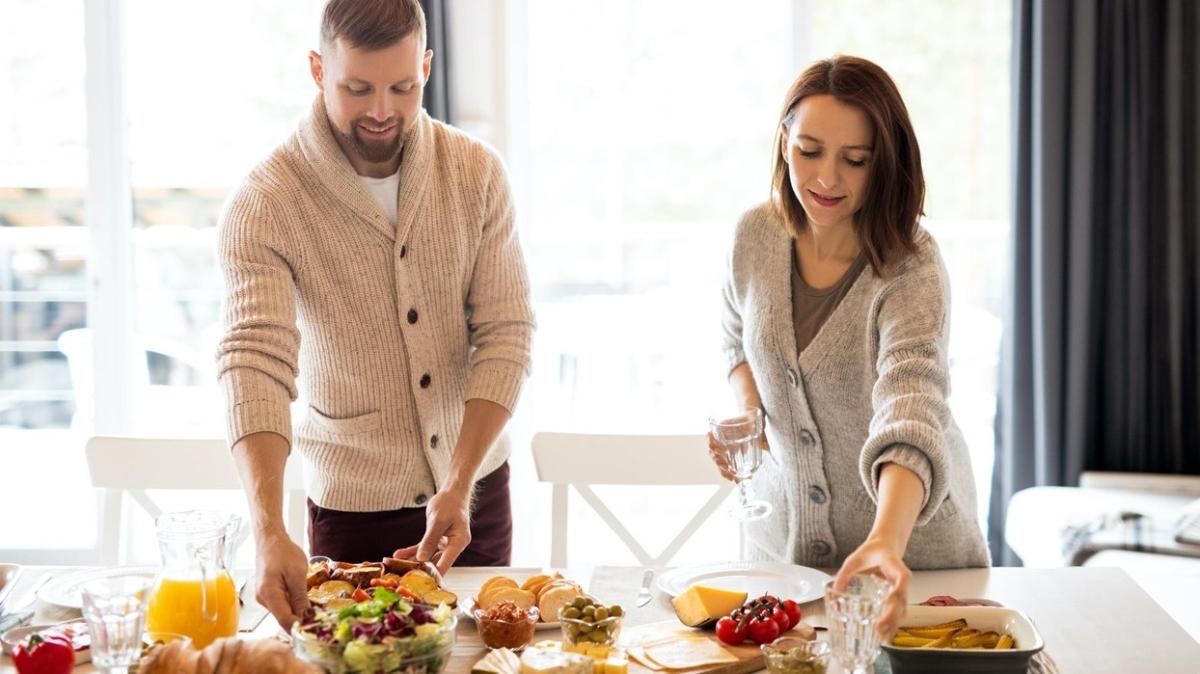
{"x":688,"y":654}
{"x":499,"y":661}
{"x":537,"y":661}
{"x":638,"y":654}
{"x":700,"y":604}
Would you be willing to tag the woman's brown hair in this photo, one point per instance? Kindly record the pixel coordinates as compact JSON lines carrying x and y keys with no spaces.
{"x":887,"y":222}
{"x":371,"y":24}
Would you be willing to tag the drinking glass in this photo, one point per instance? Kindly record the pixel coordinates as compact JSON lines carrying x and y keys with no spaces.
{"x":740,"y":436}
{"x":852,"y":615}
{"x":115,"y":610}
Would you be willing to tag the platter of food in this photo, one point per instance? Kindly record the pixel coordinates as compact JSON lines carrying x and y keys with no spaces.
{"x":963,"y":638}
{"x":547,"y":593}
{"x":337,"y":585}
{"x":800,"y":583}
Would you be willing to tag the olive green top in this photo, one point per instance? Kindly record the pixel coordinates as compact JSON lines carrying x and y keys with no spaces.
{"x":811,"y":306}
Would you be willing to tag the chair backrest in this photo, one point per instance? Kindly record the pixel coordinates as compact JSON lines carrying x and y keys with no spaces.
{"x":135,"y":464}
{"x":582,"y":459}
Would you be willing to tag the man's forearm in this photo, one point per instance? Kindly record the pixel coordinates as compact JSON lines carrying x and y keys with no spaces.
{"x":483,"y":421}
{"x":261,"y":459}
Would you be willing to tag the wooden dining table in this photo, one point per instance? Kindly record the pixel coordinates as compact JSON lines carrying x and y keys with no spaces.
{"x":1093,"y":620}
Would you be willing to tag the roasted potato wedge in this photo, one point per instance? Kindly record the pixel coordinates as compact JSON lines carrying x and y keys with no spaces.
{"x":418,"y":582}
{"x":440,"y":596}
{"x":336,"y":588}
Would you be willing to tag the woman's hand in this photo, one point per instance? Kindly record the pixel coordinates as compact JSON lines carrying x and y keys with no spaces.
{"x":721,"y":458}
{"x":881,"y":557}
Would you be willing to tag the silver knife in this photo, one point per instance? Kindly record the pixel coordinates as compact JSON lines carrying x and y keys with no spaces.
{"x":643,"y":596}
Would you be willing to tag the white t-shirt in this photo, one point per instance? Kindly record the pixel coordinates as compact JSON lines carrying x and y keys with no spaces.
{"x":384,"y":190}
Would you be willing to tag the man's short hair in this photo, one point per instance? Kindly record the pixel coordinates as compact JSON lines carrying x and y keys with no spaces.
{"x":371,"y":24}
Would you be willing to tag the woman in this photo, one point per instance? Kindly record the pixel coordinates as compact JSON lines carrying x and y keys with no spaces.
{"x":836,"y":324}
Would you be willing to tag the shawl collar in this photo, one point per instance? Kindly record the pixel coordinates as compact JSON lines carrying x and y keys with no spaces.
{"x":331,"y":167}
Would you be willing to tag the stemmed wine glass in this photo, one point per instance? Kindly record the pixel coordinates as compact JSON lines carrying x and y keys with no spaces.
{"x":740,"y":435}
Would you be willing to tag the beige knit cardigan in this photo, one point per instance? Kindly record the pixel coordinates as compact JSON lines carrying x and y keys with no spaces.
{"x":390,"y":329}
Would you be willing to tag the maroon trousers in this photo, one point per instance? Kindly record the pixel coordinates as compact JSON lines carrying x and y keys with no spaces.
{"x":371,"y":536}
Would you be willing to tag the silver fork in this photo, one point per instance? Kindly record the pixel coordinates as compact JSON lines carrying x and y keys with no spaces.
{"x":643,"y":595}
{"x":17,"y":613}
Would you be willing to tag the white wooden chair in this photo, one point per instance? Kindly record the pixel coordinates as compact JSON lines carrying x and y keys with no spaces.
{"x":128,"y":464}
{"x":582,"y":459}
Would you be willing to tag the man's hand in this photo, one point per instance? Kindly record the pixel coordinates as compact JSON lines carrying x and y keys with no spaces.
{"x":447,"y":529}
{"x":281,"y":571}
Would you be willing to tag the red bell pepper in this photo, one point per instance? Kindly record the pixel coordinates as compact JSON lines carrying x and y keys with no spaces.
{"x":51,"y":654}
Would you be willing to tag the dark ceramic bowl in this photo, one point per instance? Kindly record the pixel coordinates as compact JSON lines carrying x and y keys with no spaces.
{"x":1027,"y":642}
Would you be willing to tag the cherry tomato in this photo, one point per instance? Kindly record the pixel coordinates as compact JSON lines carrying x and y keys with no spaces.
{"x":51,"y":654}
{"x":781,"y":618}
{"x":793,"y":611}
{"x":763,"y":630}
{"x":728,"y":632}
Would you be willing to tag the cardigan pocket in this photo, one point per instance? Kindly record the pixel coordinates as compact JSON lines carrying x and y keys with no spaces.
{"x":356,"y":425}
{"x":947,"y":510}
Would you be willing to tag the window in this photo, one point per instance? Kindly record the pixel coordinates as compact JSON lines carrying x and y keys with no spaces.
{"x":208,"y":92}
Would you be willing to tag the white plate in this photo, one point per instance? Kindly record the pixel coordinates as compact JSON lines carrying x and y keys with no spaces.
{"x":66,"y":590}
{"x":467,"y":607}
{"x":786,"y":581}
{"x":19,"y":635}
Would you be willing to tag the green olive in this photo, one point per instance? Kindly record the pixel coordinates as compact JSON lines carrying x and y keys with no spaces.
{"x":580,"y":602}
{"x":598,"y":636}
{"x":616,"y":610}
{"x":601,"y":613}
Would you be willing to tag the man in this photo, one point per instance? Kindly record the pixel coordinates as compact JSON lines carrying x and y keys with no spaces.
{"x":374,"y":253}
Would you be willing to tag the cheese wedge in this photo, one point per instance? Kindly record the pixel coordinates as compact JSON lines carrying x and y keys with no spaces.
{"x":701,"y":604}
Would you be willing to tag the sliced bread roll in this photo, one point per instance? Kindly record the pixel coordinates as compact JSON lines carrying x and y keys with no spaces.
{"x":516,"y":595}
{"x":556,"y":596}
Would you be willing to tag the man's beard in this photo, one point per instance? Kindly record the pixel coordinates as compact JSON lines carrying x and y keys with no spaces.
{"x":373,"y":151}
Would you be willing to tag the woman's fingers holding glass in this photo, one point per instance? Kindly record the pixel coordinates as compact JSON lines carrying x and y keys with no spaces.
{"x":721,"y":458}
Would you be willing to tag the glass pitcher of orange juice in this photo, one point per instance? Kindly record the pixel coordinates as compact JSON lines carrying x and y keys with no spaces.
{"x":194,"y":593}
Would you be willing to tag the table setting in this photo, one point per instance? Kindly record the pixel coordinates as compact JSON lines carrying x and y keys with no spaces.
{"x":193,"y":613}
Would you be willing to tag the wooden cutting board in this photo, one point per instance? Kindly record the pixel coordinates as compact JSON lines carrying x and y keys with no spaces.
{"x":750,"y":658}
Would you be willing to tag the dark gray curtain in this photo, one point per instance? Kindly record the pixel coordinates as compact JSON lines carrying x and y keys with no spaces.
{"x":1099,"y":367}
{"x":437,"y":92}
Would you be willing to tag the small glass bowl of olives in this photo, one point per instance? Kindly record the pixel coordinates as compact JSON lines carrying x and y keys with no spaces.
{"x":586,"y":621}
{"x":792,"y":655}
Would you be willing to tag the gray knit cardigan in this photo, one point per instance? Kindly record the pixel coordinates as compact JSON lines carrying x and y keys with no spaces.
{"x":871,"y":388}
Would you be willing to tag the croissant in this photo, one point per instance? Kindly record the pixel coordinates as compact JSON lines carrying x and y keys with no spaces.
{"x":226,"y":656}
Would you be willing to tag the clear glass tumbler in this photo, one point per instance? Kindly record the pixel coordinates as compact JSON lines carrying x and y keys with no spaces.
{"x":115,"y":610}
{"x":852,"y":615}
